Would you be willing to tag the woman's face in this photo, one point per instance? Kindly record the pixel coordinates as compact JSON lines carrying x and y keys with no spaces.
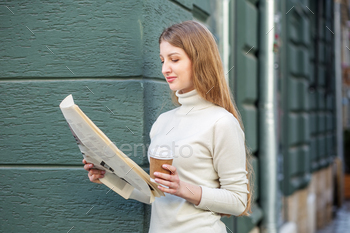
{"x":177,"y":67}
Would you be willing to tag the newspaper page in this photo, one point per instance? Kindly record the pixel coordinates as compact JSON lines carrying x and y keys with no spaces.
{"x":122,"y":174}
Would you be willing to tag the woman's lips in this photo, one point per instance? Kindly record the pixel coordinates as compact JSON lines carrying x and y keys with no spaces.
{"x":170,"y":79}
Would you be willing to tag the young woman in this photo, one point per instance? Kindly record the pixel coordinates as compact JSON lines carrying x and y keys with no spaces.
{"x":211,"y":170}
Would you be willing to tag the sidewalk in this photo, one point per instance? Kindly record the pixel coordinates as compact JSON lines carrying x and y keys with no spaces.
{"x":341,"y":223}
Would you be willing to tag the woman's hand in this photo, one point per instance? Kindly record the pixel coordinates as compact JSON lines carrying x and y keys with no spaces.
{"x":94,"y":174}
{"x":190,"y":192}
{"x":172,"y":181}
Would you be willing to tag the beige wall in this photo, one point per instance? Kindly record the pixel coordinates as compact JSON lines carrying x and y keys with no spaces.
{"x":311,"y":208}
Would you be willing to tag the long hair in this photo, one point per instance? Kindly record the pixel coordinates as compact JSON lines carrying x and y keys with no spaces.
{"x":207,"y":75}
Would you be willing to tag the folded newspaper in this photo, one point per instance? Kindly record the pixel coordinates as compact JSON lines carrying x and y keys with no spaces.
{"x":122,"y":174}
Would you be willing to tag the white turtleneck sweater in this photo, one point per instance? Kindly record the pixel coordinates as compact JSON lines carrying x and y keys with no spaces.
{"x":208,"y":144}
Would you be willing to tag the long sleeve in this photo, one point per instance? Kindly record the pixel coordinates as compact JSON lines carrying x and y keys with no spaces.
{"x":209,"y":151}
{"x":229,"y":160}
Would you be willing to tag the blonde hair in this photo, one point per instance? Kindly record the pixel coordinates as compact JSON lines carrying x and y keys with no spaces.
{"x":207,"y":75}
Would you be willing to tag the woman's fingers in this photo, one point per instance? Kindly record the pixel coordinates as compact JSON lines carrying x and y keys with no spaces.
{"x":170,"y":168}
{"x":94,"y":174}
{"x":97,"y":172}
{"x":95,"y":179}
{"x":88,"y":166}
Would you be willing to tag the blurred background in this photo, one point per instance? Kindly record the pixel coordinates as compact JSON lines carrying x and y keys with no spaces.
{"x":287,"y":63}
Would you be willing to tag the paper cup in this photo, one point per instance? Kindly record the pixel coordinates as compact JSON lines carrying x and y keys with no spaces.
{"x":158,"y":157}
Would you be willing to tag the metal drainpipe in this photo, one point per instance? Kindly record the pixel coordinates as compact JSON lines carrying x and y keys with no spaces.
{"x":267,"y":118}
{"x":338,"y":81}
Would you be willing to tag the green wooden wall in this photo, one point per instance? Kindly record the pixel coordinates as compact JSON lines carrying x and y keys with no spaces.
{"x":323,"y":128}
{"x":105,"y":54}
{"x":307,"y":90}
{"x":245,"y":86}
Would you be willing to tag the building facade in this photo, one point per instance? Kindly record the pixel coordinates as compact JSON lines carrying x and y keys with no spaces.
{"x":106,"y":55}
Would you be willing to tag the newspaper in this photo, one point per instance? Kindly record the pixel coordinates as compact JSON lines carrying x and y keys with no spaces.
{"x":122,"y":174}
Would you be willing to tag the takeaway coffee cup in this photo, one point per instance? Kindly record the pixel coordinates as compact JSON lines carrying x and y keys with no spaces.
{"x":158,"y":157}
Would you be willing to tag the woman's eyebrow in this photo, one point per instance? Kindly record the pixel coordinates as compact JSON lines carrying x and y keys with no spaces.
{"x":169,"y":54}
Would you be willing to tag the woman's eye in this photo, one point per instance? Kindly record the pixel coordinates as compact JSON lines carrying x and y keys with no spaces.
{"x":171,"y":60}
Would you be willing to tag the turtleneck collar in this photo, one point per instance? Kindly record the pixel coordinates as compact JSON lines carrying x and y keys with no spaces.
{"x":193,"y":100}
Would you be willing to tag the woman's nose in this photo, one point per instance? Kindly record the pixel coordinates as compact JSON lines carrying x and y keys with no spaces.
{"x":166,"y":68}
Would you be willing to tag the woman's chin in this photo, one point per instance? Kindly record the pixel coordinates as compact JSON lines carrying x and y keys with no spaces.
{"x":173,"y":88}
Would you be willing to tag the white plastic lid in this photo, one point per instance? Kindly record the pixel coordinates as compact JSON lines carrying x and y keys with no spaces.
{"x":161,"y":153}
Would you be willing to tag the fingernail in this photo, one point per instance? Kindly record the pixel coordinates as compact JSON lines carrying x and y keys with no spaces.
{"x":156,"y":173}
{"x":91,"y":165}
{"x":103,"y":172}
